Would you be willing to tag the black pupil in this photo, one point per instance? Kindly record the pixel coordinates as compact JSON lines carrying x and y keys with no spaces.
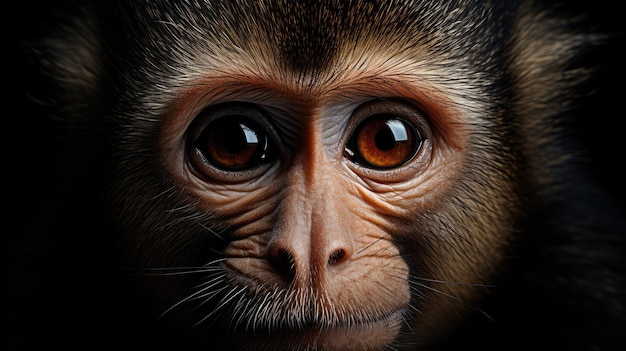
{"x":394,"y":132}
{"x":238,"y":137}
{"x":385,"y":140}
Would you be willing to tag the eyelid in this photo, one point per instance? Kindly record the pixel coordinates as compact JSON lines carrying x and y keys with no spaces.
{"x":392,"y":105}
{"x":213,"y":112}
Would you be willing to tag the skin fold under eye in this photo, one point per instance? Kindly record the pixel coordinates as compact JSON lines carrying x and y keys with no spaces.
{"x":384,"y":141}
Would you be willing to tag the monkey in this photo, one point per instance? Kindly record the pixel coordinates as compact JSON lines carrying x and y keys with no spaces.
{"x":316,"y":175}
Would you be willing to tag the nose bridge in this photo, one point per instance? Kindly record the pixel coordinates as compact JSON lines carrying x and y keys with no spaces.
{"x":312,"y":236}
{"x":313,"y":196}
{"x":324,"y":193}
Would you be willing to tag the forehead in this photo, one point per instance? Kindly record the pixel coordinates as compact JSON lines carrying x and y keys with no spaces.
{"x":310,"y":40}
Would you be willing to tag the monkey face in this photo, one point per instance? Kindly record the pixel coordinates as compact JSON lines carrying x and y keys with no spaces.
{"x":317,"y":208}
{"x":309,"y":194}
{"x":307,"y":176}
{"x":317,"y":198}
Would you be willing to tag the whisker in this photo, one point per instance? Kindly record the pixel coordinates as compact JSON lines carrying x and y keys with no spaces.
{"x":201,"y":293}
{"x":373,"y":243}
{"x":165,"y":271}
{"x":450,"y":282}
{"x":224,"y":302}
{"x":210,"y":283}
{"x":218,"y":234}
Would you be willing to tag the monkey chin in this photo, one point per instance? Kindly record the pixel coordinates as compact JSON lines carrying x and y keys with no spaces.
{"x":344,"y":336}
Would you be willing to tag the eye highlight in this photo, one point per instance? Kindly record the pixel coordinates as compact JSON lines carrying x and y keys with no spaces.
{"x":383,"y":141}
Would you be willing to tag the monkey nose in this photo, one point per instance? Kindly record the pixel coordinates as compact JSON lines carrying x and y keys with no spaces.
{"x":310,"y":263}
{"x":313,"y":235}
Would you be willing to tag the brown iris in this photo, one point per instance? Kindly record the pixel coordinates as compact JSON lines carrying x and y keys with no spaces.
{"x":384,"y":141}
{"x":234,"y":143}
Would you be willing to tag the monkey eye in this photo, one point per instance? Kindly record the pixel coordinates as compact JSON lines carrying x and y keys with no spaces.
{"x":233,"y":141}
{"x":383,"y":141}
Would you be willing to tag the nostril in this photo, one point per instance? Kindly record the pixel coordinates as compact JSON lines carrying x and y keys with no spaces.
{"x":285,"y":264}
{"x":336,"y":257}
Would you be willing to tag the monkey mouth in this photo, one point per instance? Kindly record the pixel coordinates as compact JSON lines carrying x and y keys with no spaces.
{"x":264,"y":316}
{"x":350,"y":333}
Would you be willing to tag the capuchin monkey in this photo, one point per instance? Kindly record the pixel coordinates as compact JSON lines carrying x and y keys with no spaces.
{"x":317,"y":175}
